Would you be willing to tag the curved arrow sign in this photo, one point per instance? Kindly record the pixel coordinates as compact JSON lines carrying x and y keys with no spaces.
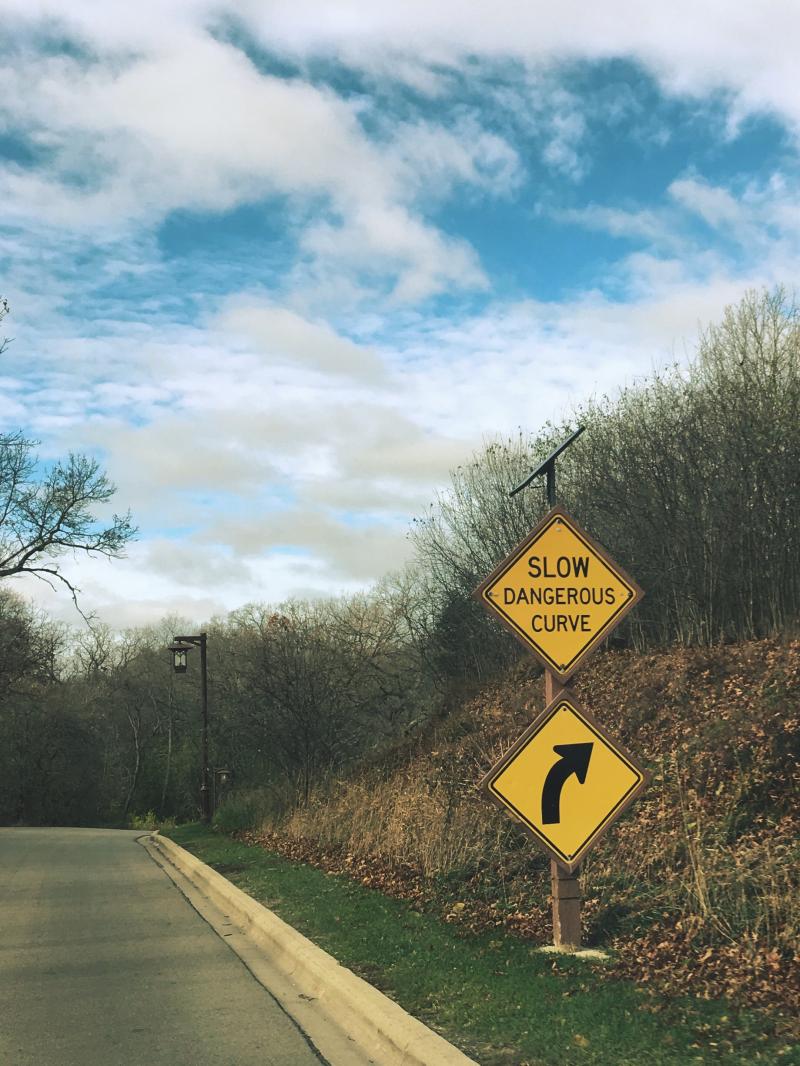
{"x":574,"y":760}
{"x":566,"y":780}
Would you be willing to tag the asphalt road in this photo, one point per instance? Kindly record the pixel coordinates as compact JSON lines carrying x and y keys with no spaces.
{"x":104,"y":963}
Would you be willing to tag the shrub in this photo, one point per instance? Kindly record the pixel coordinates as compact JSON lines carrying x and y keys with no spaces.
{"x":242,"y":810}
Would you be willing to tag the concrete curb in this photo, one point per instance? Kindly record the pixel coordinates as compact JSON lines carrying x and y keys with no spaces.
{"x":380,"y":1027}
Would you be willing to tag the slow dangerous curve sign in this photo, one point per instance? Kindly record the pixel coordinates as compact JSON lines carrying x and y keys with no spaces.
{"x":566,"y":780}
{"x":559,"y":593}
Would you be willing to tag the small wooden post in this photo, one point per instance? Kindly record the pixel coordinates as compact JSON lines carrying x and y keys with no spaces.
{"x":566,"y":893}
{"x":564,"y":886}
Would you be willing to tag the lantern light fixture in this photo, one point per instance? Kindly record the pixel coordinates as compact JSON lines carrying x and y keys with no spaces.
{"x":179,"y":656}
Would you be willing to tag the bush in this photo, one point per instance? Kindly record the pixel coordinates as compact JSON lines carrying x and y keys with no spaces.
{"x":150,"y":820}
{"x":242,"y":810}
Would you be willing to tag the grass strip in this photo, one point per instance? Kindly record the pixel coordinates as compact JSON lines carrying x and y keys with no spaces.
{"x":496,"y":997}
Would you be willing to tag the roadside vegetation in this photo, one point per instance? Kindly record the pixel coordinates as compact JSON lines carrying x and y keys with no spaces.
{"x":498,"y":998}
{"x":357,"y":728}
{"x":695,"y":890}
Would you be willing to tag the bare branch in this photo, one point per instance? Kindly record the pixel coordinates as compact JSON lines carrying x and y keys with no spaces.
{"x":41,"y":520}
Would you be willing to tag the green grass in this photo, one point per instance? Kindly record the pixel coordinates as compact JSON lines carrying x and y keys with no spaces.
{"x":497,"y":998}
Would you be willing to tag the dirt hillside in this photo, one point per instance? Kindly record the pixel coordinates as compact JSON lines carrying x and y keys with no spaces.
{"x":695,"y":889}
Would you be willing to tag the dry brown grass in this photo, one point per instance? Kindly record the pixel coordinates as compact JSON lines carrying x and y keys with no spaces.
{"x":698,"y":883}
{"x":405,"y":819}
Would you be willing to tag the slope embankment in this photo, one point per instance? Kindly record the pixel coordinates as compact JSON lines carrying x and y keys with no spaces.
{"x":694,"y":890}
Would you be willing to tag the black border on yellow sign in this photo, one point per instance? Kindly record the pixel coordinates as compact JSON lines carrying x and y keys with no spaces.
{"x":568,"y":701}
{"x":562,"y":670}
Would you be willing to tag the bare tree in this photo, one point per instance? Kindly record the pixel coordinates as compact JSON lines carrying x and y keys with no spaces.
{"x":689,"y":478}
{"x":43,"y":517}
{"x":41,"y":520}
{"x":4,"y":309}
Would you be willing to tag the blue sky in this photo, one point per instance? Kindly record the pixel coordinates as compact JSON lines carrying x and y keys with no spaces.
{"x":282,"y":266}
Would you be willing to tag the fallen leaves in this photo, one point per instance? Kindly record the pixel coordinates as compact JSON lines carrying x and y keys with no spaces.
{"x":696,"y":890}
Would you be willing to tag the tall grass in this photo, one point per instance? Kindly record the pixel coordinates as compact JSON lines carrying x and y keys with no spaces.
{"x":705,"y":850}
{"x":726,"y":892}
{"x":404,"y":819}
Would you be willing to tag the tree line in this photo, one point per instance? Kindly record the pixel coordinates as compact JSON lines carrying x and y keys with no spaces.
{"x":689,"y":478}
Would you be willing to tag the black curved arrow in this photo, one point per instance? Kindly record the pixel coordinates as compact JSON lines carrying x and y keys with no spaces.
{"x":574,"y":760}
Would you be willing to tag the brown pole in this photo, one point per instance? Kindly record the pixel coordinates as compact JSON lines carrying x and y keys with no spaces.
{"x":564,"y":886}
{"x":205,"y":792}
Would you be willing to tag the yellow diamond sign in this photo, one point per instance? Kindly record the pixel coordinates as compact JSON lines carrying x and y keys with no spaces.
{"x":559,"y":593}
{"x":566,"y":779}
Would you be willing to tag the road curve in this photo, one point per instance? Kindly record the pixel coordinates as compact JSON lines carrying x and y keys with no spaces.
{"x":104,"y":963}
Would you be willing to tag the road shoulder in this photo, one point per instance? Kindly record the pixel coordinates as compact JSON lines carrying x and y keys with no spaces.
{"x":347,"y":1020}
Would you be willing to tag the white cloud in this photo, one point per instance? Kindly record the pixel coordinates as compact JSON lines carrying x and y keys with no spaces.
{"x":284,"y":335}
{"x":644,"y":223}
{"x":715,"y":205}
{"x":122,"y":593}
{"x":693,"y":48}
{"x":346,"y":552}
{"x":288,"y":437}
{"x":758,"y":225}
{"x":306,"y":488}
{"x":191,"y":123}
{"x":194,"y":124}
{"x":384,"y":240}
{"x":567,"y":128}
{"x":433,"y":159}
{"x":164,"y":115}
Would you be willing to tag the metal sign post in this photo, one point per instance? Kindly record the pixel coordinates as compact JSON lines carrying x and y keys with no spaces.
{"x":565,"y":779}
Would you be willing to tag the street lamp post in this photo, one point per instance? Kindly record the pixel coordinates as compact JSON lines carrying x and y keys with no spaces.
{"x":222,"y":778}
{"x":179,"y":649}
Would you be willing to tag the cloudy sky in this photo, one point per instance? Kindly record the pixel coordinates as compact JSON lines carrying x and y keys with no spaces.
{"x":281,"y":265}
